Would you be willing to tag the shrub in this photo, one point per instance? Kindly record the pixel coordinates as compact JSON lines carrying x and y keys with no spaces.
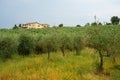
{"x":6,"y":48}
{"x":60,"y":25}
{"x":15,"y":27}
{"x":94,"y":24}
{"x":78,"y":25}
{"x":25,"y":46}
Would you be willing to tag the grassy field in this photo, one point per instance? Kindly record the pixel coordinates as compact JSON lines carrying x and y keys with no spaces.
{"x":70,"y":67}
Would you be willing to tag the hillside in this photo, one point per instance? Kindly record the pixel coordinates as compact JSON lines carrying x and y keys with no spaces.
{"x":63,"y":53}
{"x":70,"y":67}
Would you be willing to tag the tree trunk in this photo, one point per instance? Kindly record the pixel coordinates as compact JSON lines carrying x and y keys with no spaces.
{"x":108,"y":54}
{"x":101,"y":62}
{"x":63,"y":52}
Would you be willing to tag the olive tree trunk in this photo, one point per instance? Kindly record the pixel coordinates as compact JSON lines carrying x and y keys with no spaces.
{"x":63,"y":51}
{"x":77,"y":51}
{"x":100,"y":68}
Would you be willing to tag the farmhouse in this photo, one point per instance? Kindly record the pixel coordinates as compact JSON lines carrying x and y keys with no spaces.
{"x":35,"y":25}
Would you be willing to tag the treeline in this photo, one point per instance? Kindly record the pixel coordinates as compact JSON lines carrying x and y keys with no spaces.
{"x":39,"y":41}
{"x":104,"y":39}
{"x":115,"y":20}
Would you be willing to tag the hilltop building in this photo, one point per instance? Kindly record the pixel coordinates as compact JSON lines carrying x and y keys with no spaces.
{"x":35,"y":25}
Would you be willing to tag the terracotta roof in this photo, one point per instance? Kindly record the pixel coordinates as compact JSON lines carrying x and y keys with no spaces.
{"x":33,"y":23}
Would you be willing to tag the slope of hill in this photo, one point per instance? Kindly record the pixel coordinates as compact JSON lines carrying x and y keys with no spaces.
{"x":70,"y":67}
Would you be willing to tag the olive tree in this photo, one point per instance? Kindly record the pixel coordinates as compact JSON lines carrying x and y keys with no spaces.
{"x":48,"y":44}
{"x":65,"y":43}
{"x":26,"y":45}
{"x":78,"y":44}
{"x":7,"y":48}
{"x":39,"y":45}
{"x":114,"y":45}
{"x":99,"y":41}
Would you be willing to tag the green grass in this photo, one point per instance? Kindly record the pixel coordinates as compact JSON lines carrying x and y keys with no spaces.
{"x":70,"y":67}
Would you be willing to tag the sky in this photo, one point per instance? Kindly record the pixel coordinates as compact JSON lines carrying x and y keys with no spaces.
{"x":55,"y":12}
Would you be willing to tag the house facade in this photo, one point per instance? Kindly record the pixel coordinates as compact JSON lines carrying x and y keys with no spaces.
{"x":35,"y":25}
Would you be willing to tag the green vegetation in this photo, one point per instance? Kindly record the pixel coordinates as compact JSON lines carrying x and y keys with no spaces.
{"x":105,"y":41}
{"x":78,"y":25}
{"x":60,"y":25}
{"x":70,"y":67}
{"x":15,"y":27}
{"x":97,"y":49}
{"x":6,"y":48}
{"x":25,"y":45}
{"x":115,"y":20}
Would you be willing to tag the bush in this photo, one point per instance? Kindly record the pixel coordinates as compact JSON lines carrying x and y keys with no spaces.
{"x":60,"y":25}
{"x":78,"y":25}
{"x":15,"y":27}
{"x":26,"y":45}
{"x":94,"y":24}
{"x":6,"y":48}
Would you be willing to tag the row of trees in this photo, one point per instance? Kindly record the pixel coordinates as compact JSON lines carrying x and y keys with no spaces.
{"x":105,"y":40}
{"x":25,"y":42}
{"x":114,"y":21}
{"x":48,"y":44}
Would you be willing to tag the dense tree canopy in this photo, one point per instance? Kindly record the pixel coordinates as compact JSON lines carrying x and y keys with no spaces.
{"x":60,"y":25}
{"x":104,"y":39}
{"x":115,"y":20}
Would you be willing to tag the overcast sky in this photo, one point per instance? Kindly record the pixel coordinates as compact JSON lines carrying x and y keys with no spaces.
{"x":54,"y":12}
